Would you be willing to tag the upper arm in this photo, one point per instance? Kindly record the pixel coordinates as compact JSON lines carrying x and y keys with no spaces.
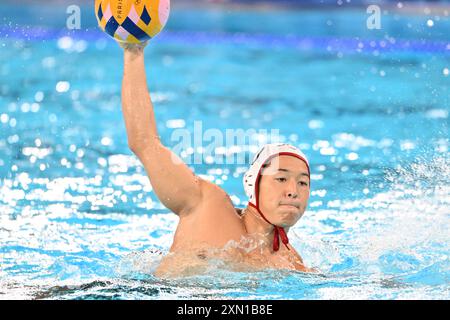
{"x":173,"y":182}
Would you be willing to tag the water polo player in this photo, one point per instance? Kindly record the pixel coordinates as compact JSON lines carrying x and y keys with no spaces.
{"x":277,"y":184}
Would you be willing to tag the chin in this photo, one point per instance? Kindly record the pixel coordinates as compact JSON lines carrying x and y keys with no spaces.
{"x":288,"y":218}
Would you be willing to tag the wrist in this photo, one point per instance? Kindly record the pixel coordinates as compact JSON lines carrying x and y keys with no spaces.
{"x":133,"y":46}
{"x":131,"y":54}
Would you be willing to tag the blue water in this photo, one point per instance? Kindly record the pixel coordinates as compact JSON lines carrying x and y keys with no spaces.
{"x":79,"y":220}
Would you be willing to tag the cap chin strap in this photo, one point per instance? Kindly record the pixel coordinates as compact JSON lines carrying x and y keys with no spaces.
{"x":278,"y":232}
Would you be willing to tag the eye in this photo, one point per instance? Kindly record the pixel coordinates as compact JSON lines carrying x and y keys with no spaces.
{"x":303,"y":183}
{"x":280,"y":179}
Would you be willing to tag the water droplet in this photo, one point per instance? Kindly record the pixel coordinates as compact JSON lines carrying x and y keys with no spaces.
{"x":62,"y":86}
{"x":4,"y":118}
{"x":445,"y":72}
{"x":106,"y":141}
{"x":65,"y":43}
{"x":352,"y":156}
{"x":39,"y":96}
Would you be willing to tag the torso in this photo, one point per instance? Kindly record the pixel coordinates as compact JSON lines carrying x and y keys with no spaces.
{"x":216,"y":230}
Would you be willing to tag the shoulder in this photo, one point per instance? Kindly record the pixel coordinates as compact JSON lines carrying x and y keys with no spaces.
{"x":217,"y":193}
{"x":212,"y":198}
{"x":211,"y":191}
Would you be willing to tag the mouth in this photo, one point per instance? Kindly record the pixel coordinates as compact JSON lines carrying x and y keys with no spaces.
{"x":290,"y":205}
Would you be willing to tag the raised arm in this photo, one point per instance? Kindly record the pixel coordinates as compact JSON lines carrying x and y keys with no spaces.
{"x":173,"y":182}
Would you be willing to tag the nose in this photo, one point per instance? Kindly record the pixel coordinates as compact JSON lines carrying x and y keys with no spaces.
{"x":292,"y":190}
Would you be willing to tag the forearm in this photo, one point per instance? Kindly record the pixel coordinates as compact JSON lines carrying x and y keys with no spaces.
{"x":137,"y":106}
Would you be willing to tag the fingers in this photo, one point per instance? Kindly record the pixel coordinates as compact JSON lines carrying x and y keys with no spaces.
{"x":135,"y":47}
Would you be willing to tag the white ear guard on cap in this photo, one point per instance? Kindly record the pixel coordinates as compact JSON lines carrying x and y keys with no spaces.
{"x":261,"y":157}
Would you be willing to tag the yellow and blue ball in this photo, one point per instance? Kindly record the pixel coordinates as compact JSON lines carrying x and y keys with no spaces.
{"x":132,"y":21}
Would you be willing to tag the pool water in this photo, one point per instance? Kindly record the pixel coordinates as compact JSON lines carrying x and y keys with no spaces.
{"x":79,"y":220}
